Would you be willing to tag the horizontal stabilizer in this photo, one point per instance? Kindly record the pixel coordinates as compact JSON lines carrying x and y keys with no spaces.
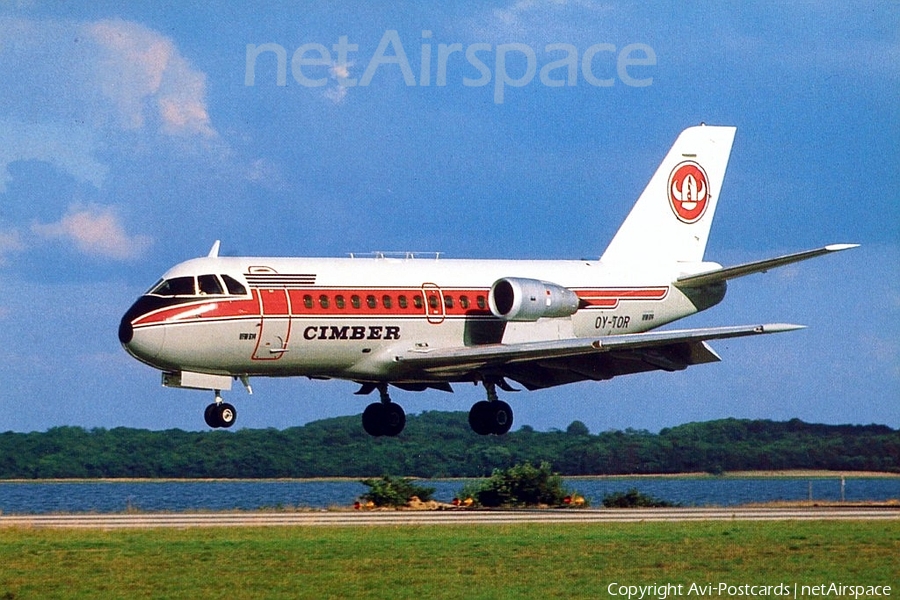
{"x":761,"y":266}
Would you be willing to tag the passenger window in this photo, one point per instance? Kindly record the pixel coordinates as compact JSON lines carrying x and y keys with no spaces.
{"x":235,"y":287}
{"x":417,"y":302}
{"x":355,"y":302}
{"x":209,"y":285}
{"x":386,"y":301}
{"x":464,"y":302}
{"x":371,"y":301}
{"x":481,"y":303}
{"x":448,"y":302}
{"x":323,"y":301}
{"x":307,"y":301}
{"x":339,"y":301}
{"x":402,"y":302}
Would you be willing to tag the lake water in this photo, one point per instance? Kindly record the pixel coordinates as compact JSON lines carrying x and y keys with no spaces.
{"x":181,"y":496}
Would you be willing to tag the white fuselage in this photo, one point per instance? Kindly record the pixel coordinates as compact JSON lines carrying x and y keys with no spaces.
{"x":348,"y":318}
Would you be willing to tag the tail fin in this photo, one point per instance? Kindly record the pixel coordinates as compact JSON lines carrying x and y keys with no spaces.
{"x":671,"y":220}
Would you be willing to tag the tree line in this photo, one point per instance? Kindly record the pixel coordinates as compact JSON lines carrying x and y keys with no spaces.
{"x":440,"y":444}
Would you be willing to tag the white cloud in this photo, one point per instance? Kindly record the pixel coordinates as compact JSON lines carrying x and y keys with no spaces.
{"x":513,"y":15}
{"x":336,"y":93}
{"x":81,"y":97}
{"x":108,"y":74}
{"x":144,"y":77}
{"x":341,"y":71}
{"x":71,"y":88}
{"x":95,"y":231}
{"x":265,"y":173}
{"x":338,"y":90}
{"x":544,"y":20}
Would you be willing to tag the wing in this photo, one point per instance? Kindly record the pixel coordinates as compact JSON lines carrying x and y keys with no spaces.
{"x":544,"y":364}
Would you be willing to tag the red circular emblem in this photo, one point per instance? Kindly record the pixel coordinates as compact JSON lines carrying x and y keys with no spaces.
{"x":688,"y":191}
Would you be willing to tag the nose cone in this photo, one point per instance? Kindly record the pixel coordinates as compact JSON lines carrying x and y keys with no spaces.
{"x":126,"y":330}
{"x":143,"y":343}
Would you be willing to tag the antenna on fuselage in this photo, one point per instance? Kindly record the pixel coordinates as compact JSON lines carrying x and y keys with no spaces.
{"x":214,"y":251}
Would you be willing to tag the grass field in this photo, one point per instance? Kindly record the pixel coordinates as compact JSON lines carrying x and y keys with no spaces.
{"x":496,"y":561}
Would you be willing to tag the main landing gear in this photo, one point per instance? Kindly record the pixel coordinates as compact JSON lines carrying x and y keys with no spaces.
{"x":491,"y":416}
{"x":487,"y":417}
{"x":220,"y":413}
{"x":385,"y":417}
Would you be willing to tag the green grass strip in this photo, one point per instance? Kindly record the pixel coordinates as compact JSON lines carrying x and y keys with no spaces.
{"x":467,"y":561}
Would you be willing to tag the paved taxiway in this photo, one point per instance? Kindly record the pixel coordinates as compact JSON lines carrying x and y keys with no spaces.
{"x":449,"y":517}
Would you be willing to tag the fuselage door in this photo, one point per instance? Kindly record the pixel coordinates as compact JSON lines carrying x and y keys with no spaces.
{"x":435,"y":310}
{"x":274,"y":322}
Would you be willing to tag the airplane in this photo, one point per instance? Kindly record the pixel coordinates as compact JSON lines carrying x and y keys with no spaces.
{"x":426,"y":322}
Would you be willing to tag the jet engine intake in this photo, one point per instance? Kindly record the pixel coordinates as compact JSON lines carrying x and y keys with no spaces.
{"x":519,"y":299}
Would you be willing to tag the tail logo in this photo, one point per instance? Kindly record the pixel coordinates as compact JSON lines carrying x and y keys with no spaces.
{"x":688,"y":191}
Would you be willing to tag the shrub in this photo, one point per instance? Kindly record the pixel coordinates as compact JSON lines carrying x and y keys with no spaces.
{"x":520,"y":485}
{"x":634,"y":499}
{"x":394,"y":491}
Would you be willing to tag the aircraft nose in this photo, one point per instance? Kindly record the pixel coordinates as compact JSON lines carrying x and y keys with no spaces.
{"x":142,"y":343}
{"x":126,"y":330}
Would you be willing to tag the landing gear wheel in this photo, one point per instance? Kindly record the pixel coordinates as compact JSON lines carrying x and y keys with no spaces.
{"x":501,"y":417}
{"x":209,"y":415}
{"x":381,"y":418}
{"x":479,"y":418}
{"x":372,"y":419}
{"x":227,"y":415}
{"x":487,"y":418}
{"x":394,"y":419}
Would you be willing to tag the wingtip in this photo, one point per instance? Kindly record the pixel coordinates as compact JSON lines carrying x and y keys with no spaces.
{"x":839,"y":247}
{"x":779,"y":327}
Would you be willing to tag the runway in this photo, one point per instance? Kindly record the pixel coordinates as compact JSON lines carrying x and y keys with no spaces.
{"x":447,"y":517}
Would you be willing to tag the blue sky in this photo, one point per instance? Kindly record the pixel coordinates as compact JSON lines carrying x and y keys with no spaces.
{"x":131,"y":140}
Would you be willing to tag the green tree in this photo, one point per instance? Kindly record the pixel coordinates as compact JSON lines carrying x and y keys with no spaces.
{"x":578,"y":428}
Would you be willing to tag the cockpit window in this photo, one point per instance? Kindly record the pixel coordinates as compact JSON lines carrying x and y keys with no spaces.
{"x":206,"y":285}
{"x":153,"y":287}
{"x":209,"y":284}
{"x":177,"y":286}
{"x":234,"y":286}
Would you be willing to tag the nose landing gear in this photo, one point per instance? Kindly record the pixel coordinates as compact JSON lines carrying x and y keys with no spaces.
{"x":220,"y":413}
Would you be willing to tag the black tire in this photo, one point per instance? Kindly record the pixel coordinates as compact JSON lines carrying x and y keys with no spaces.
{"x":227,"y":414}
{"x":210,"y":415}
{"x":394,"y":419}
{"x":488,"y":418}
{"x":479,"y":418}
{"x":373,"y":419}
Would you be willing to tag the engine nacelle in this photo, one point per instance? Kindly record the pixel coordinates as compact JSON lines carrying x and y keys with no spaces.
{"x":518,"y":299}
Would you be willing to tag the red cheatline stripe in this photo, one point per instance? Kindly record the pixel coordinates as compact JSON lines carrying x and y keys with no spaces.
{"x":215,"y":308}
